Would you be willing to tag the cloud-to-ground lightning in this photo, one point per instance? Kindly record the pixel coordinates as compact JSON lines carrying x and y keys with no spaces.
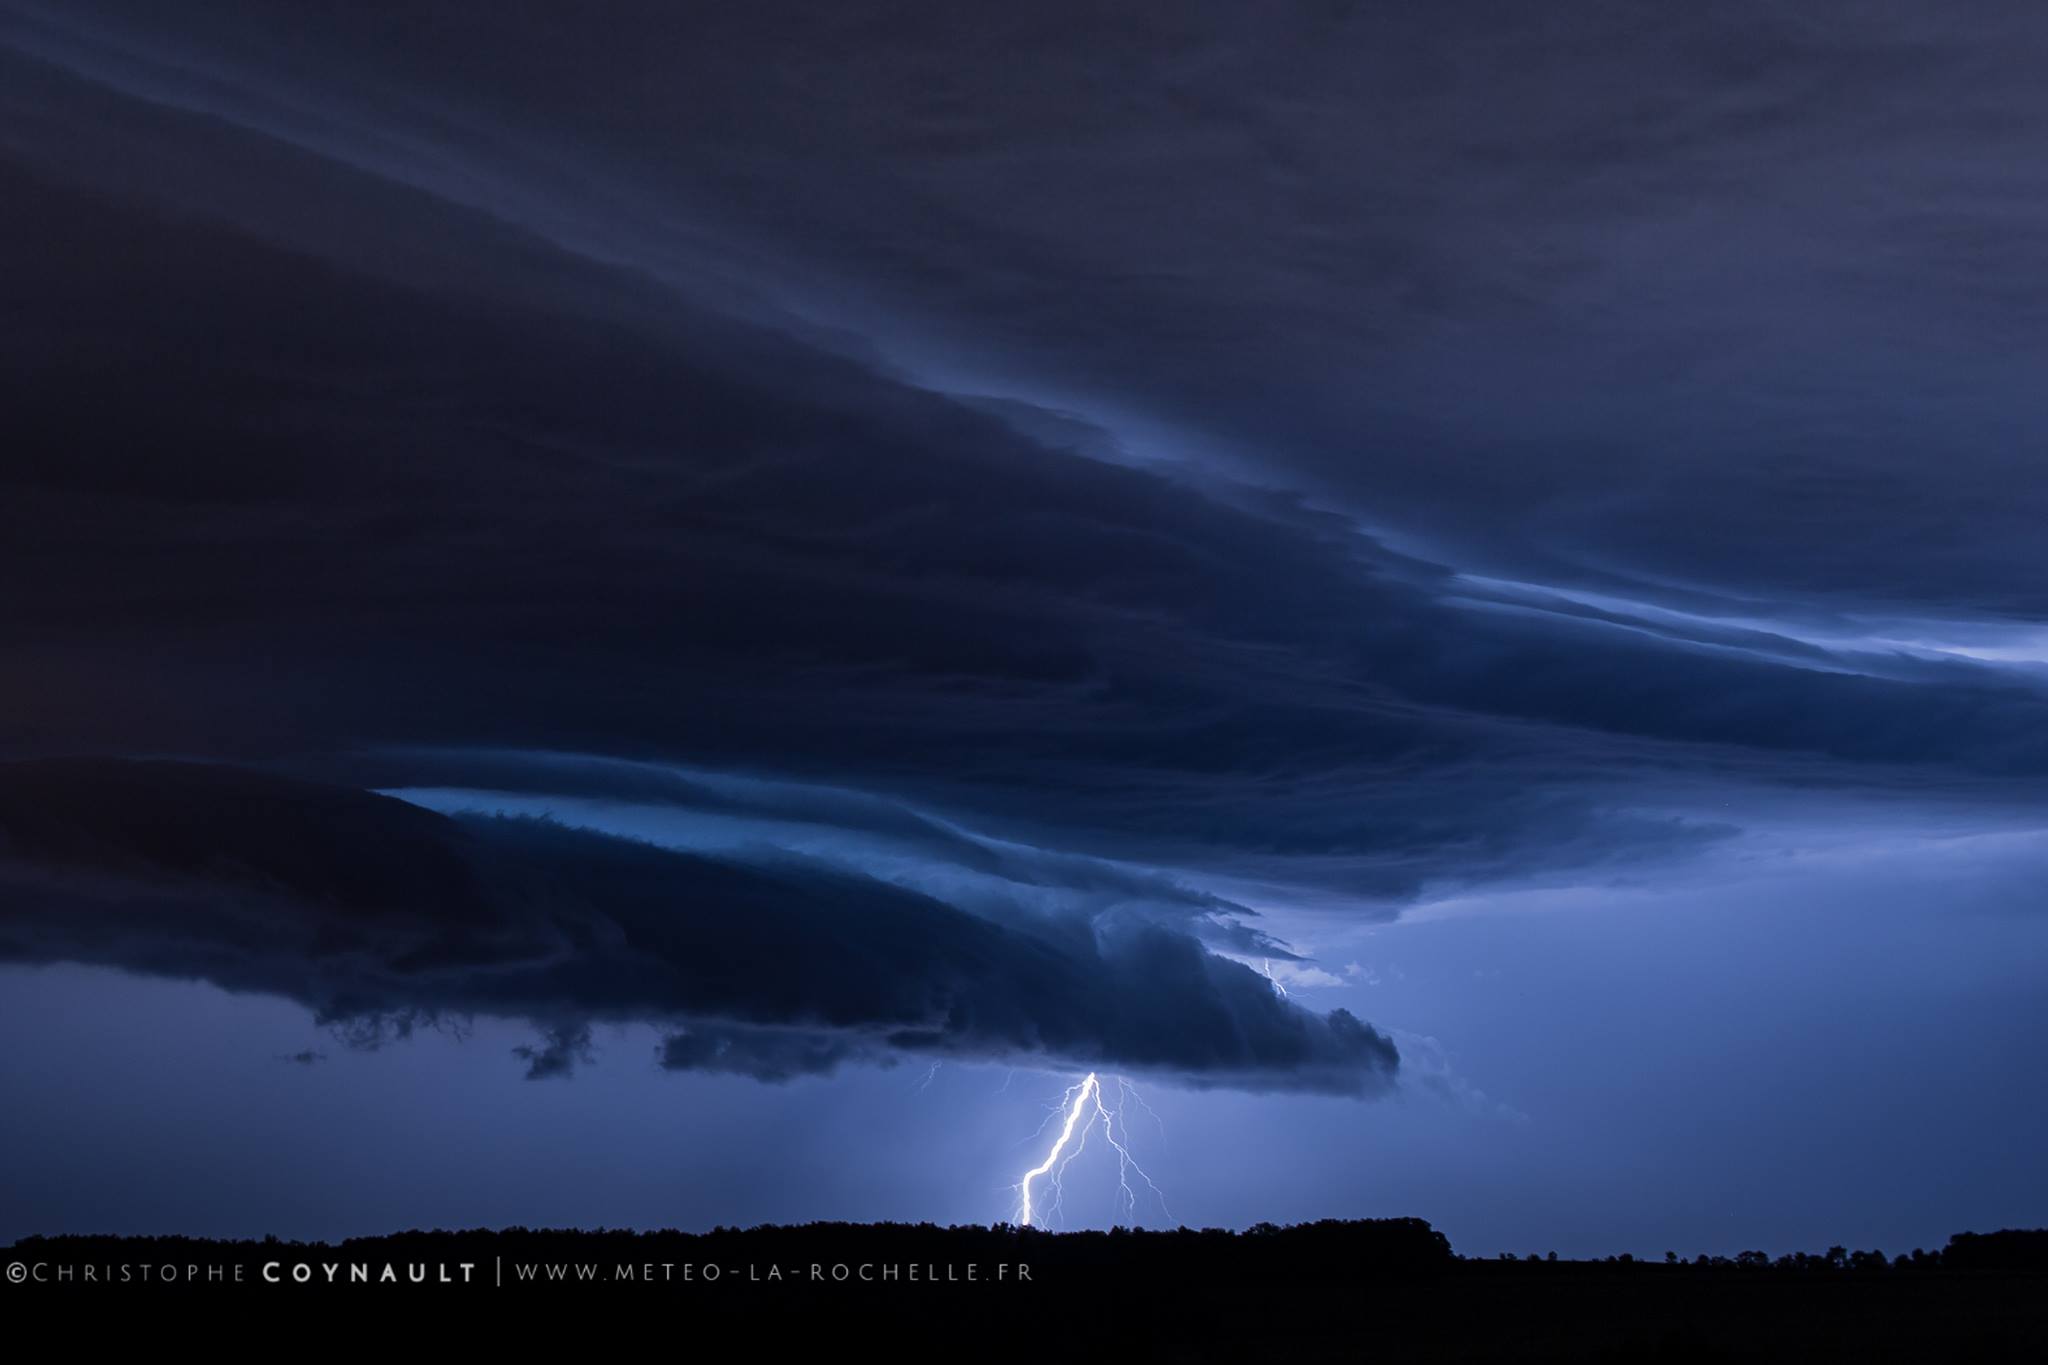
{"x":1083,"y":1105}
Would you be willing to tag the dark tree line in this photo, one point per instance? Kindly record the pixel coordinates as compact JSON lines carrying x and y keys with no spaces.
{"x":2009,"y":1249}
{"x":1305,"y":1252}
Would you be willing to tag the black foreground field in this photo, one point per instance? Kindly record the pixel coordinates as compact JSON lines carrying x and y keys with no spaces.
{"x":1386,"y":1289}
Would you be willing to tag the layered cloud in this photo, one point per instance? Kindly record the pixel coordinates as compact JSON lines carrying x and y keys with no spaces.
{"x":1097,"y":485}
{"x":1729,"y":306}
{"x":379,"y":915}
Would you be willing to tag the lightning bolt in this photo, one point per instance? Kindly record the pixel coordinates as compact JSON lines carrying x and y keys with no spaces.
{"x":1083,"y":1105}
{"x":1125,"y":1162}
{"x":1079,"y":1095}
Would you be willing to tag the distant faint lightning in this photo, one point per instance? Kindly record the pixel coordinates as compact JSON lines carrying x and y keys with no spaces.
{"x":1085,"y":1098}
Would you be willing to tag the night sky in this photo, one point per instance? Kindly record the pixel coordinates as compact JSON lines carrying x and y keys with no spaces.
{"x":656,"y":614}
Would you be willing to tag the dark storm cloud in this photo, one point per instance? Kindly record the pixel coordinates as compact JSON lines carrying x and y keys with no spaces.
{"x":557,"y":1054}
{"x":511,"y":383}
{"x":380,"y":916}
{"x":1736,"y":296}
{"x":765,"y":1054}
{"x":852,"y":828}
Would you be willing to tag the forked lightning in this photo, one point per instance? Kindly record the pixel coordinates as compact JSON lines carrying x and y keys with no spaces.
{"x":1083,"y":1105}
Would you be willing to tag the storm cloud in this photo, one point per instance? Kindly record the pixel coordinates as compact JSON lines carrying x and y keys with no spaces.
{"x":379,"y":916}
{"x":1097,"y":474}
